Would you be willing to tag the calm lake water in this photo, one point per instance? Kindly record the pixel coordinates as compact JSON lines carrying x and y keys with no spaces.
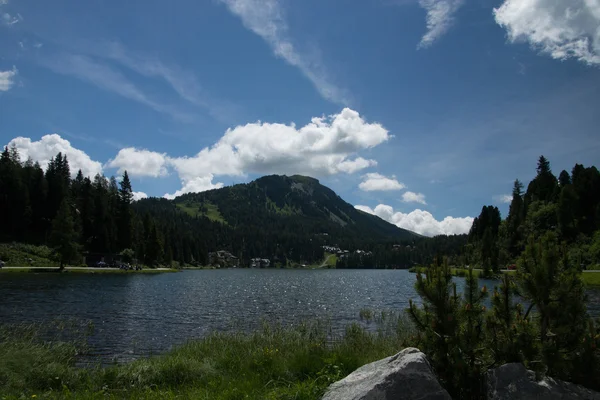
{"x":135,"y":315}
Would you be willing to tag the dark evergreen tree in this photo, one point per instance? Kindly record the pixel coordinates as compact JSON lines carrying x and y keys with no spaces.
{"x":63,"y":237}
{"x":125,"y":222}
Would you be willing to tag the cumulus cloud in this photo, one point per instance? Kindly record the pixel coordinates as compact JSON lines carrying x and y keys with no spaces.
{"x":325,"y":146}
{"x":440,"y":17}
{"x":195,"y":185}
{"x":7,"y":79}
{"x":376,"y":182}
{"x":139,"y":162}
{"x":562,"y":29}
{"x":503,"y":198}
{"x":412,"y":197}
{"x":266,"y":19}
{"x":419,"y":221}
{"x":49,"y":146}
{"x":139,"y":195}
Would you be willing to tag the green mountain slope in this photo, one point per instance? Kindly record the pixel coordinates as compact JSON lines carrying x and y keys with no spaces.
{"x":296,"y":203}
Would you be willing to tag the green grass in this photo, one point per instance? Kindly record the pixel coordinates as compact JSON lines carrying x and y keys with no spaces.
{"x":193,"y":209}
{"x":273,"y":363}
{"x":591,"y":278}
{"x":82,"y":270}
{"x":18,"y":254}
{"x":461,"y":272}
{"x":331,"y":260}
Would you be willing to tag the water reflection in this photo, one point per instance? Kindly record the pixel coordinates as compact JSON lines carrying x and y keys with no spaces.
{"x":138,"y":315}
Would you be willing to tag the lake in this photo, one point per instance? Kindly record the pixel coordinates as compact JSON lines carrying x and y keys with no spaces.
{"x":140,"y":314}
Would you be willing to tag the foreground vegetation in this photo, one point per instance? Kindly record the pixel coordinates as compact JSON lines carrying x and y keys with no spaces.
{"x":275,"y":363}
{"x":551,"y":332}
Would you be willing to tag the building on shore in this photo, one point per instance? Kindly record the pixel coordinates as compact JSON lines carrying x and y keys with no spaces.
{"x":222,"y":259}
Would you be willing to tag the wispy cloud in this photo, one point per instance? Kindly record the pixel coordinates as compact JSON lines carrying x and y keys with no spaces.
{"x":440,"y":17}
{"x":107,"y":78}
{"x":266,"y":19}
{"x":183,"y":82}
{"x":7,"y":79}
{"x":7,"y":19}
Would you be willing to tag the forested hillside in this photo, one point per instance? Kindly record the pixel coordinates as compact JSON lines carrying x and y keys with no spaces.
{"x":563,"y":210}
{"x":277,"y":217}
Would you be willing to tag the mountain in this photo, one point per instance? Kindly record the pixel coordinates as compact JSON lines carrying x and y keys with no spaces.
{"x":282,"y":217}
{"x":292,"y":203}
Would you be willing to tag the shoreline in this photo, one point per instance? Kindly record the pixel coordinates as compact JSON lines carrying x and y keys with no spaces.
{"x":82,"y":270}
{"x":591,"y":278}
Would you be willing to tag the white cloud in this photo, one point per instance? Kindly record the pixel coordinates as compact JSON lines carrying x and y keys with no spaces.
{"x":8,"y":20}
{"x":139,"y":195}
{"x":7,"y":79}
{"x":412,"y":197}
{"x":195,"y":185}
{"x":503,"y":198}
{"x":183,"y":82}
{"x":352,"y":166}
{"x":420,"y":221}
{"x":49,"y":146}
{"x":139,"y":162}
{"x":440,"y":17}
{"x":325,"y":146}
{"x":562,"y":29}
{"x":109,"y":79}
{"x":266,"y":19}
{"x":376,"y":182}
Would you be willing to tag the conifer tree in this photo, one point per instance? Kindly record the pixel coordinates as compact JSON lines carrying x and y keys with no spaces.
{"x":510,"y":335}
{"x":125,"y":222}
{"x":63,"y":237}
{"x":437,"y":321}
{"x":553,"y":286}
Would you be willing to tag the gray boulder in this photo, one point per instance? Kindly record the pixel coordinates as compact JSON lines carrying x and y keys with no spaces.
{"x":514,"y":382}
{"x":407,"y":376}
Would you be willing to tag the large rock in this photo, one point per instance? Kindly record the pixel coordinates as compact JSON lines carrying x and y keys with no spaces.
{"x":407,"y":376}
{"x":514,"y":382}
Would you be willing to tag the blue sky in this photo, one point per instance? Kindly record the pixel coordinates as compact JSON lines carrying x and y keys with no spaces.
{"x":418,"y":111}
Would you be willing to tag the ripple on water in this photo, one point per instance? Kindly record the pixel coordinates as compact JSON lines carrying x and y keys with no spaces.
{"x":141,"y":314}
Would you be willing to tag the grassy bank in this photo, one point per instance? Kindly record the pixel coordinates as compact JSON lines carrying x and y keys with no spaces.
{"x":590,"y":278}
{"x":273,"y":363}
{"x":19,"y":254}
{"x":20,"y":257}
{"x":83,"y":270}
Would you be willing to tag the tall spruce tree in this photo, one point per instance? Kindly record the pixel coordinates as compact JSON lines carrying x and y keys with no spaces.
{"x":125,"y":221}
{"x":63,"y":237}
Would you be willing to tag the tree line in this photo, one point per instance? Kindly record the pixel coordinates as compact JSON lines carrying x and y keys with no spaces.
{"x":97,"y":216}
{"x":567,"y":207}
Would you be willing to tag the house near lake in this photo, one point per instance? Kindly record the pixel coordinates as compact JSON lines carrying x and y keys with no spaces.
{"x":260,"y":263}
{"x":223,"y":259}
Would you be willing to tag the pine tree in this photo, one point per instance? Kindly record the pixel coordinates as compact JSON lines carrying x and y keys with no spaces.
{"x":437,"y":321}
{"x":63,"y":237}
{"x":471,"y":360}
{"x":564,"y":178}
{"x":516,"y":216}
{"x":125,"y":221}
{"x":553,"y":286}
{"x":511,"y":336}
